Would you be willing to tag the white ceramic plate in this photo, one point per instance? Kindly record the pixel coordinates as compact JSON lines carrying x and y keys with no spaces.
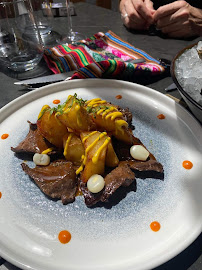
{"x":118,"y":238}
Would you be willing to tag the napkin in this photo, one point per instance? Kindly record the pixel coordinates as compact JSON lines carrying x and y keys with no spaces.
{"x":101,"y":56}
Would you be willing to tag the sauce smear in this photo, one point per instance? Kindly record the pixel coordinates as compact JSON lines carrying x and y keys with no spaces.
{"x":155,"y":226}
{"x":4,"y":136}
{"x":187,"y":164}
{"x":119,"y":97}
{"x":161,"y":116}
{"x":0,"y":195}
{"x":56,"y":101}
{"x":79,"y":192}
{"x":64,"y":237}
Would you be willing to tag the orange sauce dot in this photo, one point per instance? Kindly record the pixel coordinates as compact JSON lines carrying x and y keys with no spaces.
{"x":0,"y":195}
{"x":64,"y":237}
{"x":4,"y":136}
{"x":187,"y":164}
{"x":155,"y":226}
{"x":119,"y":97}
{"x":161,"y":116}
{"x":56,"y":101}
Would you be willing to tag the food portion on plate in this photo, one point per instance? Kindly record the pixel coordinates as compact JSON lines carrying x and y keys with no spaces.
{"x":86,"y":147}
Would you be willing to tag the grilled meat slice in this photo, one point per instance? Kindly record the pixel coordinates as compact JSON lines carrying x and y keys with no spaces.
{"x":120,"y":176}
{"x":149,"y":165}
{"x":57,"y":180}
{"x":33,"y":143}
{"x":145,"y":169}
{"x":127,"y":115}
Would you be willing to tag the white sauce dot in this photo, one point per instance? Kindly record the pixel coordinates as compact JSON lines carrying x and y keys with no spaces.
{"x":139,"y":152}
{"x":95,"y":183}
{"x":41,"y":159}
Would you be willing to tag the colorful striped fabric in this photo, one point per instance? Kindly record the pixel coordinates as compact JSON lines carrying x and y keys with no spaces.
{"x":101,"y":56}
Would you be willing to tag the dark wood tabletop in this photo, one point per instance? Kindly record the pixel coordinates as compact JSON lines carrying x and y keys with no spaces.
{"x":89,"y":20}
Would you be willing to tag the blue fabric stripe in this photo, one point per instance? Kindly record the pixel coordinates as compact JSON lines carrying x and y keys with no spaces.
{"x":130,"y":47}
{"x":64,"y":63}
{"x":86,"y":71}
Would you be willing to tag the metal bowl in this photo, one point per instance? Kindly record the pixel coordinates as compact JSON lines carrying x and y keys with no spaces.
{"x":195,"y":107}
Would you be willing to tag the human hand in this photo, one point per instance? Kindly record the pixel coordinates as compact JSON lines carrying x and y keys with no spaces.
{"x":139,"y":13}
{"x":177,"y":19}
{"x":196,"y":21}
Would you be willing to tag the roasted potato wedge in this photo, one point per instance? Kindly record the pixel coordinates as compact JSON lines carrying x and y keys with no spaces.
{"x":107,"y":117}
{"x":75,"y":116}
{"x":73,"y":148}
{"x":111,"y":157}
{"x":50,"y":127}
{"x":95,"y":145}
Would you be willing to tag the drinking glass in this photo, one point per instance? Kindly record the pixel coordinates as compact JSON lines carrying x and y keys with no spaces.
{"x":72,"y":36}
{"x":18,"y":52}
{"x":44,"y":18}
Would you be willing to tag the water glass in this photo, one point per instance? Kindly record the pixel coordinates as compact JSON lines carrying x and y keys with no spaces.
{"x":43,"y":13}
{"x":17,"y":51}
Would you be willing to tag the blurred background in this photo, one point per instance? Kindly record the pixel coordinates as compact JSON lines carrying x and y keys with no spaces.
{"x":111,"y":4}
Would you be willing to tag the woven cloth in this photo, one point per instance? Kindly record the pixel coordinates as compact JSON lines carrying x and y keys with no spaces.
{"x":101,"y":56}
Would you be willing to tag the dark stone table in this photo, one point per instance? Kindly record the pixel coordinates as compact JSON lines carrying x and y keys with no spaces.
{"x":91,"y":19}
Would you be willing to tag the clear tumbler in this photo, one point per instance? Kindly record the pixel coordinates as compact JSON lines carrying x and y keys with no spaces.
{"x":18,"y":52}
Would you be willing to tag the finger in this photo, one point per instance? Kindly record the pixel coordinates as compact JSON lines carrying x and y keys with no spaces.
{"x":122,"y":6}
{"x":133,"y":15}
{"x":133,"y":25}
{"x":169,"y":9}
{"x":181,"y":29}
{"x":181,"y":15}
{"x":149,"y":4}
{"x":142,"y":10}
{"x":172,"y":27}
{"x":136,"y":22}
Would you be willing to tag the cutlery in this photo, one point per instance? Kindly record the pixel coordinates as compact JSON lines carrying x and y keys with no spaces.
{"x":171,"y":87}
{"x":62,"y":76}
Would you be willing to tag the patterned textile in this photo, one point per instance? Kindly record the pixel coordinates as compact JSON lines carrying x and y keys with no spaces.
{"x":101,"y":56}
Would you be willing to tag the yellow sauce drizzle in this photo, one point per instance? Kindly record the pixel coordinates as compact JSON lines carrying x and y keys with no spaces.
{"x":114,"y":115}
{"x":58,"y":122}
{"x":92,"y":101}
{"x":97,"y":154}
{"x":119,"y":125}
{"x":98,"y":102}
{"x":67,"y":144}
{"x":67,"y":110}
{"x":48,"y":150}
{"x":95,"y":141}
{"x":78,"y":107}
{"x":70,"y":96}
{"x":108,"y":110}
{"x":87,"y":136}
{"x":100,"y":111}
{"x":42,"y":111}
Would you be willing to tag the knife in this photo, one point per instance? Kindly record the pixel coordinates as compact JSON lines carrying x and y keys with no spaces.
{"x":171,"y":87}
{"x":47,"y":79}
{"x":63,"y":76}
